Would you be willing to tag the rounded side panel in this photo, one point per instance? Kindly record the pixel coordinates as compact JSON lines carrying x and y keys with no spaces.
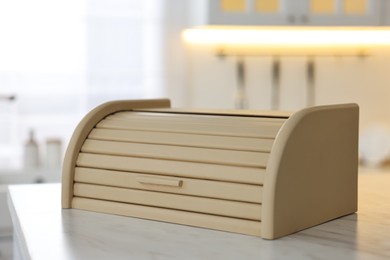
{"x":311,"y":174}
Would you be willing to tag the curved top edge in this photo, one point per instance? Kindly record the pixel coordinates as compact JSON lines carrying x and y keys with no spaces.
{"x":83,"y":129}
{"x":288,"y":127}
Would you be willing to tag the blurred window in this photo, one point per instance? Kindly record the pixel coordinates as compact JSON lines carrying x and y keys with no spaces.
{"x":61,"y":58}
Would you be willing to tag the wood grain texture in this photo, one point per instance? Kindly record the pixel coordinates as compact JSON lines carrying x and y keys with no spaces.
{"x":177,"y":153}
{"x":248,"y":227}
{"x":196,"y":187}
{"x":180,"y":139}
{"x":264,"y":130}
{"x":226,"y":208}
{"x":237,"y":174}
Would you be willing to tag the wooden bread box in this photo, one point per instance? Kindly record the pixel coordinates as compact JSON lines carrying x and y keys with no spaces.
{"x":266,"y":174}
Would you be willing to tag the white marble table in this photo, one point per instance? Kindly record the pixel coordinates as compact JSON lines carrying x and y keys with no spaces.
{"x":43,"y":231}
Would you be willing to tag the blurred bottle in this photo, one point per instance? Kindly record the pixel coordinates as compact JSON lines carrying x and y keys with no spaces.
{"x":31,"y":152}
{"x":53,"y":153}
{"x":374,"y":146}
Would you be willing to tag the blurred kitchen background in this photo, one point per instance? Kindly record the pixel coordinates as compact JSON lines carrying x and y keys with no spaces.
{"x":59,"y":59}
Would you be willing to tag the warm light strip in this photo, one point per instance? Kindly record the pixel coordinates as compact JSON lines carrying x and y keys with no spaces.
{"x":290,"y":36}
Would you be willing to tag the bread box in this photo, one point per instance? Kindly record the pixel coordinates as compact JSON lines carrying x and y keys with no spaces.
{"x":266,"y":174}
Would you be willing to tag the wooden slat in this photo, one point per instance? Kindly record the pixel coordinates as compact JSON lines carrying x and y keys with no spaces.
{"x":173,"y":201}
{"x":248,"y":227}
{"x":197,"y":118}
{"x":264,"y":130}
{"x":204,"y":188}
{"x":177,"y":153}
{"x":191,"y":140}
{"x":273,"y":114}
{"x":173,"y":168}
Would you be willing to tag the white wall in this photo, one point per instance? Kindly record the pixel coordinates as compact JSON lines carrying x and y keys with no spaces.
{"x":62,"y":58}
{"x":212,"y":82}
{"x":42,"y":61}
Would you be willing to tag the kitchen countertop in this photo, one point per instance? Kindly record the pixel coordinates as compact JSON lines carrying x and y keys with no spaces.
{"x":42,"y":230}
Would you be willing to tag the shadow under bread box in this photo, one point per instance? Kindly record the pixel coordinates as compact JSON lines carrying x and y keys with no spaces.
{"x":267,"y":174}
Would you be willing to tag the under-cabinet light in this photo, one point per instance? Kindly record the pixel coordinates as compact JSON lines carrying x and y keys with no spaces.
{"x":289,"y":36}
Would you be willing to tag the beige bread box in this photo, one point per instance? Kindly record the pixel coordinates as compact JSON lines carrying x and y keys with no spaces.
{"x":266,"y":174}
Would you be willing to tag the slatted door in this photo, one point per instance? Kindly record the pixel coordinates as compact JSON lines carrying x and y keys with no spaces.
{"x":194,"y":169}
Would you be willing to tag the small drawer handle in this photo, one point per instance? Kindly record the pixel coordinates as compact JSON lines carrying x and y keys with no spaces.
{"x":160,"y":181}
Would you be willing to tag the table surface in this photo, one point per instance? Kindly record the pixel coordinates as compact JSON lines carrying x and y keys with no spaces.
{"x":44,"y":231}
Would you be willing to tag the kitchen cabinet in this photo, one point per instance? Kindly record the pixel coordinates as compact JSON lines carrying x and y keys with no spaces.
{"x":298,"y":12}
{"x":340,"y":12}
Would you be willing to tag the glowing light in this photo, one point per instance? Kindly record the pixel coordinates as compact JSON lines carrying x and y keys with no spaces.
{"x":289,"y":36}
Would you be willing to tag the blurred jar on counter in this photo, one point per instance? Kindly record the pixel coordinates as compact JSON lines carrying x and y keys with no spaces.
{"x":31,"y":152}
